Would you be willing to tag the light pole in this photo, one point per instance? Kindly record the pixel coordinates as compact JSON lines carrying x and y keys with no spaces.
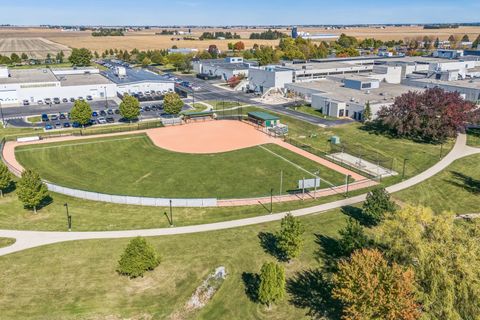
{"x":347,"y":183}
{"x":271,"y":200}
{"x":69,"y":217}
{"x":106,"y":99}
{"x":1,"y":111}
{"x":404,"y":165}
{"x":170,"y":220}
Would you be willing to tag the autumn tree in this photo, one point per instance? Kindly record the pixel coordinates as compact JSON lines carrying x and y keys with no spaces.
{"x":433,"y":116}
{"x":239,"y":46}
{"x":445,"y":255}
{"x":272,"y":283}
{"x":372,"y":289}
{"x":377,"y":204}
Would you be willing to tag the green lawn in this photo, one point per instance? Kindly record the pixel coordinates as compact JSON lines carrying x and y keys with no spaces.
{"x":455,"y":189}
{"x":223,"y":104}
{"x":421,"y":156}
{"x":102,"y":165}
{"x":309,"y":110}
{"x":77,"y":280}
{"x":37,"y":66}
{"x":5,"y":242}
{"x":473,"y":137}
{"x":34,"y":119}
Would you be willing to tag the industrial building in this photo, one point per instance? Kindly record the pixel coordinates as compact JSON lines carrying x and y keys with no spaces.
{"x":225,"y":68}
{"x":34,"y":85}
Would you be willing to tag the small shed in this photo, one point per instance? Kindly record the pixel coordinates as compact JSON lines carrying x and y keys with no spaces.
{"x":264,"y":119}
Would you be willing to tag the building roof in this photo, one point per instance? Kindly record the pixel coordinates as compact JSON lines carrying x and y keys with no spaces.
{"x":29,"y":76}
{"x":262,"y":116}
{"x":82,"y":79}
{"x":135,"y":75}
{"x":469,"y":83}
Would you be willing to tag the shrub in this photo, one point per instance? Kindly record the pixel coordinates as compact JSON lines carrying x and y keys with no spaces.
{"x":139,"y":256}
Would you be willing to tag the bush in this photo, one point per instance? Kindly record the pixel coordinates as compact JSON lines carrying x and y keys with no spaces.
{"x":139,"y":256}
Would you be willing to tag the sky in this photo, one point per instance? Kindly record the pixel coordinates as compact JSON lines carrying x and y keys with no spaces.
{"x":240,"y":12}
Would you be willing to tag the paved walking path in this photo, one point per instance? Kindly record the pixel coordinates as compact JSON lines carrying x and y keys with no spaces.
{"x":32,"y":239}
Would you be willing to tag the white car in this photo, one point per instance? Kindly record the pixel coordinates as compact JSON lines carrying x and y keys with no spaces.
{"x":101,"y":120}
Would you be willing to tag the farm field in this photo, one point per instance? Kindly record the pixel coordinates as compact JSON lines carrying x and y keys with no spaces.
{"x":35,"y":48}
{"x":148,"y":40}
{"x":102,"y":166}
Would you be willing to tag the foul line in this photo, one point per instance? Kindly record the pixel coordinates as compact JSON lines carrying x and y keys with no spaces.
{"x":75,"y":144}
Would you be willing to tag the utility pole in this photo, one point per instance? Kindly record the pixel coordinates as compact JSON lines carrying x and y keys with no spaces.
{"x":271,"y":200}
{"x":69,"y":218}
{"x":281,"y":183}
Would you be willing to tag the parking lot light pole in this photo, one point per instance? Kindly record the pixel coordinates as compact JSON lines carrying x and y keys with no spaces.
{"x":271,"y":200}
{"x":69,"y":217}
{"x":404,"y":165}
{"x":171,"y":214}
{"x":1,"y":111}
{"x":106,"y":99}
{"x":347,"y":185}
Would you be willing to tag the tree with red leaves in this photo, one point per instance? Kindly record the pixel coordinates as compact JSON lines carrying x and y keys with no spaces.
{"x":432,"y":116}
{"x":239,"y":46}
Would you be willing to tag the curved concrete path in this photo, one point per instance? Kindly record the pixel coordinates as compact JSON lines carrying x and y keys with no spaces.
{"x":32,"y":239}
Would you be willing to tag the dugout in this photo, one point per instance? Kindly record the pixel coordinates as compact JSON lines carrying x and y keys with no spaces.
{"x":263,"y":119}
{"x":198,"y":116}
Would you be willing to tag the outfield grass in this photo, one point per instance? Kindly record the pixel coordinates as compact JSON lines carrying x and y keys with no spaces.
{"x":421,"y":156}
{"x":132,"y":165}
{"x":455,"y":189}
{"x":473,"y":137}
{"x":77,"y":280}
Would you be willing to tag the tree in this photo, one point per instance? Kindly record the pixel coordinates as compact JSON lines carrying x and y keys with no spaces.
{"x":15,"y":58}
{"x":437,"y":43}
{"x":24,"y":56}
{"x":272,"y":283}
{"x":81,"y":112}
{"x":465,"y":38}
{"x":31,"y":190}
{"x":367,"y":112}
{"x":476,"y":42}
{"x":444,"y":253}
{"x":352,"y":238}
{"x":80,"y":57}
{"x":172,"y":104}
{"x":432,"y":116}
{"x":129,"y":108}
{"x":289,"y":239}
{"x":177,"y":60}
{"x":239,"y":46}
{"x":5,"y":178}
{"x":377,"y":204}
{"x":59,"y":57}
{"x":139,"y":256}
{"x":213,"y":50}
{"x":371,"y":289}
{"x":146,"y":62}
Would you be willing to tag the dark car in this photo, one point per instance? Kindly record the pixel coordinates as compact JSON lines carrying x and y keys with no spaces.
{"x":64,"y":100}
{"x":92,"y":122}
{"x":62,"y":116}
{"x":66,"y":124}
{"x":153,"y":108}
{"x":103,"y":113}
{"x":94,"y":114}
{"x":45,"y":117}
{"x":147,"y":108}
{"x":26,"y":102}
{"x":110,"y":112}
{"x":72,"y":99}
{"x":110,"y":120}
{"x":89,"y":98}
{"x":116,"y":111}
{"x":76,"y":125}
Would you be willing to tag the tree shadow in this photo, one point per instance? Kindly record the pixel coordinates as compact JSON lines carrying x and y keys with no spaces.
{"x":311,"y":290}
{"x":11,"y":187}
{"x":251,"y":281}
{"x":328,"y":252}
{"x":268,"y":241}
{"x":357,"y":214}
{"x":465,"y":182}
{"x":45,"y":202}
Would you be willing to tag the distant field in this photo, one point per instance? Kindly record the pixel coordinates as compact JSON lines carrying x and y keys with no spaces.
{"x":36,"y":48}
{"x":148,"y":40}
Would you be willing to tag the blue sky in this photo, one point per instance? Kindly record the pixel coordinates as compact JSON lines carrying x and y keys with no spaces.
{"x":228,"y":12}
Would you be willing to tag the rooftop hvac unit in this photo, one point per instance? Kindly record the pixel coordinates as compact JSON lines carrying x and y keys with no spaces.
{"x":352,"y":99}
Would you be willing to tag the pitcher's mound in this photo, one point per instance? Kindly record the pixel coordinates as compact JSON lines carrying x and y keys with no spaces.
{"x":208,"y":137}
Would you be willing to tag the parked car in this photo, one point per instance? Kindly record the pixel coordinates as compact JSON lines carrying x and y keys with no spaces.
{"x":26,"y":102}
{"x":48,"y":127}
{"x":45,"y":117}
{"x":103,"y":113}
{"x":110,"y":112}
{"x":72,"y":99}
{"x":58,"y":125}
{"x":62,"y":116}
{"x":80,"y":98}
{"x":110,"y":120}
{"x":56,"y":100}
{"x":76,"y":125}
{"x":89,"y":98}
{"x":147,"y":108}
{"x":54,"y":117}
{"x":94,"y":114}
{"x":64,"y":100}
{"x":40,"y":102}
{"x":47,"y":100}
{"x":116,"y":111}
{"x":66,"y":124}
{"x":101,"y":120}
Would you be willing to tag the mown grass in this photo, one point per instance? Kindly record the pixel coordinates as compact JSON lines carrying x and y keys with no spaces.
{"x":455,"y":189}
{"x":101,"y":165}
{"x":5,"y":242}
{"x":77,"y":280}
{"x":473,"y":137}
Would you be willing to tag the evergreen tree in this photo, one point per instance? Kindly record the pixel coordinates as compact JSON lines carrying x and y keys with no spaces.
{"x":377,"y":204}
{"x":289,"y":239}
{"x":367,"y":112}
{"x":5,"y":178}
{"x":24,"y":56}
{"x":272,"y":283}
{"x":15,"y":58}
{"x":31,"y":190}
{"x":129,"y":108}
{"x":352,"y":238}
{"x":139,"y":256}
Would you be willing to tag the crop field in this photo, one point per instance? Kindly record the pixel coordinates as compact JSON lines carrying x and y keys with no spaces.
{"x":101,"y":165}
{"x":36,"y":48}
